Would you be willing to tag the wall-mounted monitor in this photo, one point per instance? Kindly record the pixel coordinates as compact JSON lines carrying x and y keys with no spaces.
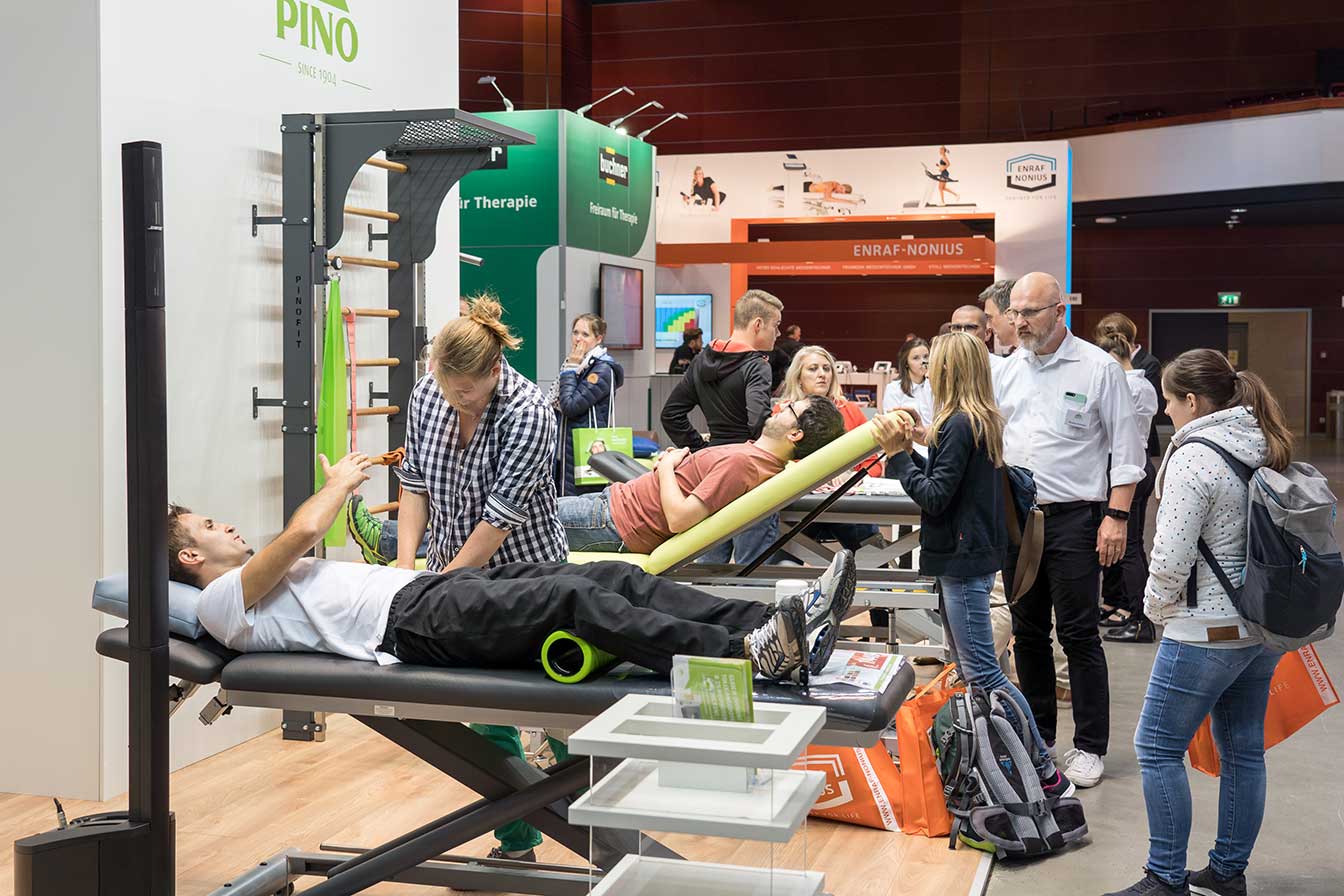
{"x":675,"y":313}
{"x":621,"y":291}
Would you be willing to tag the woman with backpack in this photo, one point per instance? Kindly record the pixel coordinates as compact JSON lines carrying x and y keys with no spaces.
{"x":963,"y":536}
{"x":1209,"y":662}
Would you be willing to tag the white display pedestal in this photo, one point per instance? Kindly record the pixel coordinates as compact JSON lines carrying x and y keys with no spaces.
{"x":693,"y":776}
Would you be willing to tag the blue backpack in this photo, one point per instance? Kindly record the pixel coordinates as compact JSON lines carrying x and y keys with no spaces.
{"x":1294,"y":578}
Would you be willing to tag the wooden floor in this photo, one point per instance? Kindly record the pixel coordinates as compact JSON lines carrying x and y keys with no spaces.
{"x":262,"y":796}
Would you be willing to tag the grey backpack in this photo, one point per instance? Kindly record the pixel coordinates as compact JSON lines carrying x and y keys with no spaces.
{"x":1294,"y":578}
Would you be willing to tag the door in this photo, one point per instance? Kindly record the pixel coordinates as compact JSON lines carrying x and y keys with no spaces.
{"x":1174,"y":332}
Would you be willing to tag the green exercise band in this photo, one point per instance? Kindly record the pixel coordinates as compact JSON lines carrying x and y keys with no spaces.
{"x":569,"y":659}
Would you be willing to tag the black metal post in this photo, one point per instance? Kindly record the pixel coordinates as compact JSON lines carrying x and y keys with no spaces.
{"x":301,"y":268}
{"x":147,"y":501}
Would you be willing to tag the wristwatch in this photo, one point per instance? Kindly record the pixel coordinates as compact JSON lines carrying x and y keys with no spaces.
{"x":1121,"y":515}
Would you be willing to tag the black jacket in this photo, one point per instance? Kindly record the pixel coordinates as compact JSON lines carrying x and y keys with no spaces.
{"x":733,"y":391}
{"x":781,"y":358}
{"x":960,"y":493}
{"x":1152,"y":370}
{"x":681,"y":358}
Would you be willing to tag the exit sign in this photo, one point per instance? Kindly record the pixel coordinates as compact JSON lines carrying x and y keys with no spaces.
{"x":1229,"y":299}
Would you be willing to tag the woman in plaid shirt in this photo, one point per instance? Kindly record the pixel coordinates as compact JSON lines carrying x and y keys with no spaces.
{"x":480,"y":448}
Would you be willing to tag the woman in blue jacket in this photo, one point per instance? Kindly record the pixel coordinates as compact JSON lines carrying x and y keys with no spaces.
{"x":585,"y":392}
{"x":963,"y":537}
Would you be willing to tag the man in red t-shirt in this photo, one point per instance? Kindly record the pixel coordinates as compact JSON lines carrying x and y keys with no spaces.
{"x":685,"y":488}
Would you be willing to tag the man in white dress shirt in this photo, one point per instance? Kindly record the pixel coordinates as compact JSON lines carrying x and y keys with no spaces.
{"x":1070,"y":420}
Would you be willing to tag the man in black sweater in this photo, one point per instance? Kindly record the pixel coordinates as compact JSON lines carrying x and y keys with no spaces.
{"x":782,"y":356}
{"x":730,"y":381}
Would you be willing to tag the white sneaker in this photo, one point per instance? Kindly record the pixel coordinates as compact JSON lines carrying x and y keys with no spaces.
{"x":1084,"y":769}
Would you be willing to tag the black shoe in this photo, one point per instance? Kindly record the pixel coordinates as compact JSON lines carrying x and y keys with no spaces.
{"x":1208,"y":883}
{"x":1115,"y":617}
{"x":1137,"y":631}
{"x":1152,"y":885}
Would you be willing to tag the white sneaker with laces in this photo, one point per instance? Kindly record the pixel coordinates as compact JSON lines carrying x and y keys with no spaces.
{"x":1084,"y":769}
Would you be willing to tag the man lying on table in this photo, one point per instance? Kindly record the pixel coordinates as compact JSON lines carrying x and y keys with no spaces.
{"x":277,"y":599}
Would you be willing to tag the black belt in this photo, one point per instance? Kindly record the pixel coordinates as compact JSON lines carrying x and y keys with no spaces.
{"x":1050,"y":510}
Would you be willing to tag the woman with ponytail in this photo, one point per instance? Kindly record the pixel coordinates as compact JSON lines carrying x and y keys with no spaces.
{"x":480,"y":449}
{"x":1207,"y":663}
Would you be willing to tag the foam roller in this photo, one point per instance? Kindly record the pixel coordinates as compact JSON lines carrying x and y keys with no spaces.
{"x":569,"y":659}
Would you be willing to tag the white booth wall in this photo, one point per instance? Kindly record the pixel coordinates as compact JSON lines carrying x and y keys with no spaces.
{"x":211,"y":88}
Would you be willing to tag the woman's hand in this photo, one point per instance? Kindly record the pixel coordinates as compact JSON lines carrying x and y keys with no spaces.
{"x":893,"y":432}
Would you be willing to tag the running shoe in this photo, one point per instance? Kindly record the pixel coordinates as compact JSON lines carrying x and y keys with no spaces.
{"x":777,"y":648}
{"x":1152,"y":885}
{"x":366,"y":529}
{"x":1208,"y":883}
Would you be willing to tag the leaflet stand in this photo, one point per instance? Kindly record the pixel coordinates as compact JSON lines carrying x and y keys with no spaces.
{"x":694,"y":776}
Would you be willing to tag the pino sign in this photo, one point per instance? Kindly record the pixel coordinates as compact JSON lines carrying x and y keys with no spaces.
{"x":318,"y":27}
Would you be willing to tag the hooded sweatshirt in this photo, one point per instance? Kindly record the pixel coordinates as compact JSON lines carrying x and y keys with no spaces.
{"x":1202,"y":496}
{"x":730,"y":382}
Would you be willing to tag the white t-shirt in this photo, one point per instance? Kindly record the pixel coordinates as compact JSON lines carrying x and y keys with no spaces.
{"x":1145,"y":401}
{"x":321,"y":606}
{"x":894,"y":398}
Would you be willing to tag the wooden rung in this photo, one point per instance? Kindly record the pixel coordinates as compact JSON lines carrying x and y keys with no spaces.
{"x":373,"y":213}
{"x":368,"y":262}
{"x":372,"y":312}
{"x":382,"y":411}
{"x":384,"y":508}
{"x":387,"y":166}
{"x":374,"y":362}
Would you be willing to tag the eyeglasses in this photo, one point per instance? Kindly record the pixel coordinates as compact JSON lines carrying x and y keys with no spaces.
{"x":964,"y":328}
{"x":1014,"y":314}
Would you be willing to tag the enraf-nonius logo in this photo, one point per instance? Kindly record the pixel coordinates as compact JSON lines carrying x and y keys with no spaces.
{"x":323,"y":25}
{"x":613,"y":167}
{"x":1031,"y":172}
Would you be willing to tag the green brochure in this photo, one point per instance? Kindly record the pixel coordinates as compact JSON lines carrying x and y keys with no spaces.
{"x":713,"y":688}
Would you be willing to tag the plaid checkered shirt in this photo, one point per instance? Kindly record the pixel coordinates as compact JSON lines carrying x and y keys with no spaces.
{"x":503,"y":477}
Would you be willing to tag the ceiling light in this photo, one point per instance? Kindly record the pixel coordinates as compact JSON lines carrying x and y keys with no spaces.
{"x":1239,"y":211}
{"x":1106,"y":219}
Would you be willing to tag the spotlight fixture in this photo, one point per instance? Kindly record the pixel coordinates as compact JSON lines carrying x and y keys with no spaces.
{"x":582,"y":109}
{"x":490,"y":79}
{"x":1238,"y":211}
{"x":1106,"y":219}
{"x":617,"y":123}
{"x":675,"y":115}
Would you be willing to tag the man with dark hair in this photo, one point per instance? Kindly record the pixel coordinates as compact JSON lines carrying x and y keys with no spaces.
{"x":692,"y":341}
{"x":685,"y":488}
{"x":731,"y":382}
{"x":783,"y":353}
{"x":995,"y":300}
{"x":277,"y":600}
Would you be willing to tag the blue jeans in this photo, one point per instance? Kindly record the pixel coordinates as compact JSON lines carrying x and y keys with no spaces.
{"x":587,"y":522}
{"x":746,"y":545}
{"x":1189,"y":682}
{"x":966,"y":614}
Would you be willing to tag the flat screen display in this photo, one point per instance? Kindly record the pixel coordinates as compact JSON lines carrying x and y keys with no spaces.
{"x":622,"y":301}
{"x":674,"y":313}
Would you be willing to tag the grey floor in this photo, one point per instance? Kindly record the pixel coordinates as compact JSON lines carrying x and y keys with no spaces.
{"x":1301,"y":845}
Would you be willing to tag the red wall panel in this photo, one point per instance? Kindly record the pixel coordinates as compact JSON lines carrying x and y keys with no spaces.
{"x":1135,"y":270}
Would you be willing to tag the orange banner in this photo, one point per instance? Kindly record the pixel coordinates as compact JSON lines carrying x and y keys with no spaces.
{"x":915,"y":256}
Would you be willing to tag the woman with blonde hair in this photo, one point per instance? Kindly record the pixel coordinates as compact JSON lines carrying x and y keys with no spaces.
{"x":480,"y":449}
{"x":811,"y":373}
{"x":963,"y":537}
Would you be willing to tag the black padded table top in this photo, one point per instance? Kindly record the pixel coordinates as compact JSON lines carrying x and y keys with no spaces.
{"x":322,"y":675}
{"x":876,"y":505}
